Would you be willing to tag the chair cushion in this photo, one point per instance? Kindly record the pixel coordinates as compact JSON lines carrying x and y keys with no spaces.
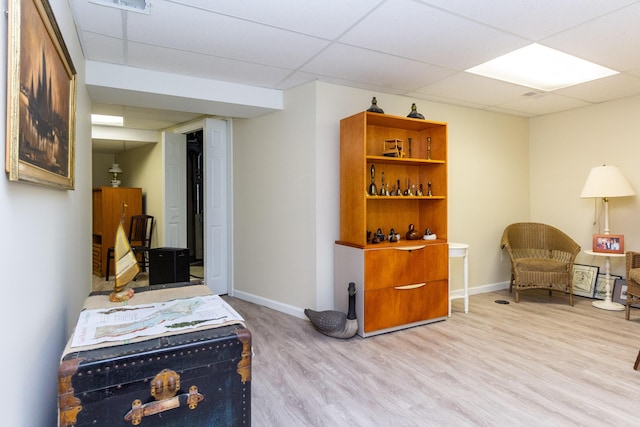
{"x":541,"y":264}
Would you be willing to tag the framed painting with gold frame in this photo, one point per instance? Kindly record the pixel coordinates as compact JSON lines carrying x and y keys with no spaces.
{"x":41,"y":98}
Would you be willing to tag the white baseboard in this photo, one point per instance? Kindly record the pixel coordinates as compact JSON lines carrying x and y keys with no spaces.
{"x":459,"y":293}
{"x":299,"y":312}
{"x":283,"y":308}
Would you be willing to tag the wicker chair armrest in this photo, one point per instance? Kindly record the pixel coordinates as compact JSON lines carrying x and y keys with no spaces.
{"x":632,"y":260}
{"x":504,"y":244}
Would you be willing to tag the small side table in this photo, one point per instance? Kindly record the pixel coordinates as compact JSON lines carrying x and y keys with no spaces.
{"x":460,"y":250}
{"x":607,"y":304}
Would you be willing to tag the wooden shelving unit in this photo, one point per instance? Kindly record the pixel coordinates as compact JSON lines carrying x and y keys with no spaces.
{"x":404,"y":283}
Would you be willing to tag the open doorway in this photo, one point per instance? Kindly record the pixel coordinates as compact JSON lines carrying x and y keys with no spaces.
{"x":195,"y":203}
{"x":214,"y":203}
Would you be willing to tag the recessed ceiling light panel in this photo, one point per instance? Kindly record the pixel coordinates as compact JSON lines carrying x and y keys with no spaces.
{"x":101,"y":119}
{"x":140,"y":6}
{"x":541,"y":68}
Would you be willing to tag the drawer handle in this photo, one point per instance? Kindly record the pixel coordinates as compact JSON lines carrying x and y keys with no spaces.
{"x":405,"y":287}
{"x":410,"y":248}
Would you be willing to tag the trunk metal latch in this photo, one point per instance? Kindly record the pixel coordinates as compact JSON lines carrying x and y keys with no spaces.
{"x":164,"y":387}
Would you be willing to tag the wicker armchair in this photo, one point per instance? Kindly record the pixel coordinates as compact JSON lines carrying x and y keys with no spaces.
{"x":633,"y":281}
{"x":542,"y":257}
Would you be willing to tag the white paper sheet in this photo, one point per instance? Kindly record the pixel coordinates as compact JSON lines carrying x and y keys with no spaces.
{"x":124,"y":323}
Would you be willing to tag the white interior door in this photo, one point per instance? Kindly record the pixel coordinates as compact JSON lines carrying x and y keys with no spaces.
{"x":175,"y":183}
{"x":216,"y":206}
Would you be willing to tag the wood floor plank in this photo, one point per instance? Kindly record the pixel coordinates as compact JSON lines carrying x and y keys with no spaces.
{"x":538,"y":362}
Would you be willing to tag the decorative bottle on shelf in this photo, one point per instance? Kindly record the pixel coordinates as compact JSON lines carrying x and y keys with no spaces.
{"x":374,"y":107}
{"x":414,"y":112}
{"x":382,"y":187}
{"x":373,"y":190}
{"x":428,"y":148}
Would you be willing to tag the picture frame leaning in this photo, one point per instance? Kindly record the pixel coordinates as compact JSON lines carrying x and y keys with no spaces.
{"x":41,"y":98}
{"x":584,"y":279}
{"x":619,"y":293}
{"x":600,"y":290}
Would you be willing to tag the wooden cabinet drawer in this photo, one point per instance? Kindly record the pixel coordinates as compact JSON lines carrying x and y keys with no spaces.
{"x":390,"y":307}
{"x":405,"y":265}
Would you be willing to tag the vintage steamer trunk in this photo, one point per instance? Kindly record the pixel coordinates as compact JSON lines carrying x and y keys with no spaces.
{"x":200,"y":378}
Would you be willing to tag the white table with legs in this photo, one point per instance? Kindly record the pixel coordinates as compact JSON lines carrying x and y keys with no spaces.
{"x":460,"y":250}
{"x":607,"y":304}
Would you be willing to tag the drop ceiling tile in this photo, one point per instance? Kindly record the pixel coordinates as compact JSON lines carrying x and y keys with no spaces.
{"x":97,"y":18}
{"x":372,"y":87}
{"x":416,"y":31}
{"x":445,"y":100}
{"x":511,"y":112}
{"x":472,"y":88}
{"x":612,"y":40}
{"x":326,"y":18}
{"x":606,"y":89}
{"x":530,"y":19}
{"x":204,"y":66}
{"x":218,"y":35}
{"x":544,"y":104}
{"x":297,"y":78}
{"x":370,"y":67}
{"x":102,"y":48}
{"x":384,"y":47}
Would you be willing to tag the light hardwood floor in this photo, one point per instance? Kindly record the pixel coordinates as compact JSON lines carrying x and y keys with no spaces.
{"x":536,"y":363}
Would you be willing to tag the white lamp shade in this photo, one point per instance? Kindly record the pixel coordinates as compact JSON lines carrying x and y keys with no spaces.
{"x":606,"y":181}
{"x":115,"y":168}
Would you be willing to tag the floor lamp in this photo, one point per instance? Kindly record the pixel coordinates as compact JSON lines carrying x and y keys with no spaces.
{"x":606,"y":181}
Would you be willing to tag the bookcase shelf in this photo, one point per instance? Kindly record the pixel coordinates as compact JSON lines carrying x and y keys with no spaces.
{"x":404,"y":283}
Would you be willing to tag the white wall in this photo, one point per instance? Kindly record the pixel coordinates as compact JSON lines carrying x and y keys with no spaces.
{"x":274,"y":203}
{"x":142,"y":168}
{"x":100,"y":164}
{"x":45,"y":266}
{"x":564,"y":148}
{"x":286,"y":190}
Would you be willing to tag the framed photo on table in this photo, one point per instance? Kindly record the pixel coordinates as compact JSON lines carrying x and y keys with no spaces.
{"x":41,"y":98}
{"x":584,"y":279}
{"x":608,"y":243}
{"x":601,"y":285}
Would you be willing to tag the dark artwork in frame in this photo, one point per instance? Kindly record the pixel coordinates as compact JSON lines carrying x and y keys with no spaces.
{"x":41,"y":98}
